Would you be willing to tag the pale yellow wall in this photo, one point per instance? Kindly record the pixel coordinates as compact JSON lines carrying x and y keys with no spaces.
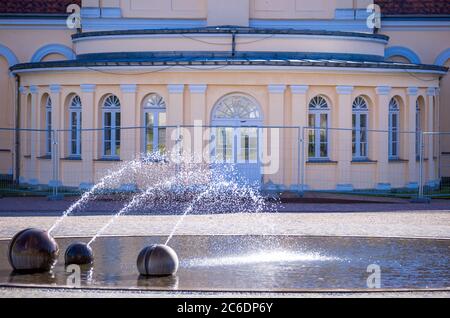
{"x":54,"y":57}
{"x":24,"y":43}
{"x":167,"y":9}
{"x":254,"y":84}
{"x":222,"y":43}
{"x":292,"y":9}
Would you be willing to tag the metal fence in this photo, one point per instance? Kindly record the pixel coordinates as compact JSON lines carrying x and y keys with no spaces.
{"x":277,"y":159}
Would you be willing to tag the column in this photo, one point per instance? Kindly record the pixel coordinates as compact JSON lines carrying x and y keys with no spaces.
{"x":34,"y":135}
{"x":58,"y":136}
{"x":344,"y":138}
{"x":198,"y":116}
{"x":175,"y":116}
{"x":88,"y":137}
{"x":431,"y":93}
{"x":411,"y":113}
{"x":129,"y":148}
{"x":382,"y":137}
{"x":299,"y":113}
{"x":277,"y":144}
{"x":24,"y":135}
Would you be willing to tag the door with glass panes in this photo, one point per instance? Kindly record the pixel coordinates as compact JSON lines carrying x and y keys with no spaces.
{"x":236,"y":135}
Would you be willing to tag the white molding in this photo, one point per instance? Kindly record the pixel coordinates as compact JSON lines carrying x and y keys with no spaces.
{"x":383,"y":90}
{"x":107,"y":12}
{"x":276,"y":88}
{"x":344,"y":90}
{"x":34,"y":89}
{"x":128,"y":88}
{"x":231,"y":68}
{"x":329,"y":25}
{"x":9,"y":55}
{"x":55,"y":88}
{"x":23,"y":90}
{"x":344,"y":14}
{"x":412,"y":91}
{"x":431,"y":91}
{"x":98,"y":24}
{"x":90,"y":12}
{"x":88,"y":88}
{"x":54,"y":48}
{"x":299,"y":89}
{"x":198,"y":88}
{"x":33,"y":24}
{"x":175,"y":88}
{"x":414,"y":25}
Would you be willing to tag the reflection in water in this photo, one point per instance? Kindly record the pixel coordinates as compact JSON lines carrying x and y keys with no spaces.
{"x":256,"y":263}
{"x":259,"y":258}
{"x":165,"y":283}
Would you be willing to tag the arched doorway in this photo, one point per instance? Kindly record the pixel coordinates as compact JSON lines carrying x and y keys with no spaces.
{"x":236,"y":134}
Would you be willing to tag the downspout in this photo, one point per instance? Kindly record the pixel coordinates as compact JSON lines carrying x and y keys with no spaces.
{"x":17,"y":130}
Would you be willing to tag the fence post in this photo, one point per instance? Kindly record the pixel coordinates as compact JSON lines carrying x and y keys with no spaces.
{"x":55,"y":167}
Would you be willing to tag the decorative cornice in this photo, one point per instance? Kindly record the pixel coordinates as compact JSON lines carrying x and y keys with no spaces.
{"x":198,"y":89}
{"x":175,"y":88}
{"x":299,"y":89}
{"x":88,"y":88}
{"x":34,"y":89}
{"x":412,"y":91}
{"x":383,"y":90}
{"x":431,"y":91}
{"x":277,"y":89}
{"x":23,"y":90}
{"x":55,"y":88}
{"x":128,"y":88}
{"x":344,"y":90}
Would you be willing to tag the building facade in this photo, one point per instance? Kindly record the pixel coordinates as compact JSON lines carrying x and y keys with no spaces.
{"x":348,"y":100}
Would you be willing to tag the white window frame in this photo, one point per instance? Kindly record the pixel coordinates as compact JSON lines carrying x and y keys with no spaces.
{"x":360,"y":108}
{"x":394,"y":111}
{"x":226,"y":116}
{"x":155,"y":105}
{"x":48,"y":126}
{"x":319,"y":106}
{"x":112,"y":108}
{"x":75,"y":110}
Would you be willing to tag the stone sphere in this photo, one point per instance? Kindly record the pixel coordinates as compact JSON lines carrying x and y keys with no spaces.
{"x":79,"y":254}
{"x":157,"y":260}
{"x":33,"y":250}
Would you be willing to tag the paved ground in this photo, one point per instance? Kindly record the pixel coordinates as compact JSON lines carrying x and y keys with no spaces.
{"x":8,"y":292}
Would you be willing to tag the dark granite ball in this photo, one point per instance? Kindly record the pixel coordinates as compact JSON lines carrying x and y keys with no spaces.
{"x":33,"y":250}
{"x":157,"y":260}
{"x":79,"y":254}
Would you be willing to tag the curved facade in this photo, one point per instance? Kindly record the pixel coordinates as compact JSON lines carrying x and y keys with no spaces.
{"x":347,"y":112}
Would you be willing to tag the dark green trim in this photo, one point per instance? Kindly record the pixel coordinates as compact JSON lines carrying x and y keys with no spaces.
{"x":229,"y":30}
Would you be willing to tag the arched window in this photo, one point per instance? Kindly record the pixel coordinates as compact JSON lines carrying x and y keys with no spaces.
{"x":318,"y":122}
{"x":394,"y":129}
{"x":235,"y":144}
{"x":360,"y":116}
{"x":111,"y":126}
{"x":155,"y":120}
{"x":418,"y":128}
{"x":75,"y":126}
{"x":48,"y":126}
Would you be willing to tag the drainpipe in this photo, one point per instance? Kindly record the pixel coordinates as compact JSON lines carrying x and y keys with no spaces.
{"x":17,"y":131}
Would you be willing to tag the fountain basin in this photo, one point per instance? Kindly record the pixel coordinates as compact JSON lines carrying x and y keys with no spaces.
{"x":32,"y":250}
{"x":157,"y":260}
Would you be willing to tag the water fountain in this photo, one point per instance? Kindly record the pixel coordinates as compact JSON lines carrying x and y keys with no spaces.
{"x":184,"y":183}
